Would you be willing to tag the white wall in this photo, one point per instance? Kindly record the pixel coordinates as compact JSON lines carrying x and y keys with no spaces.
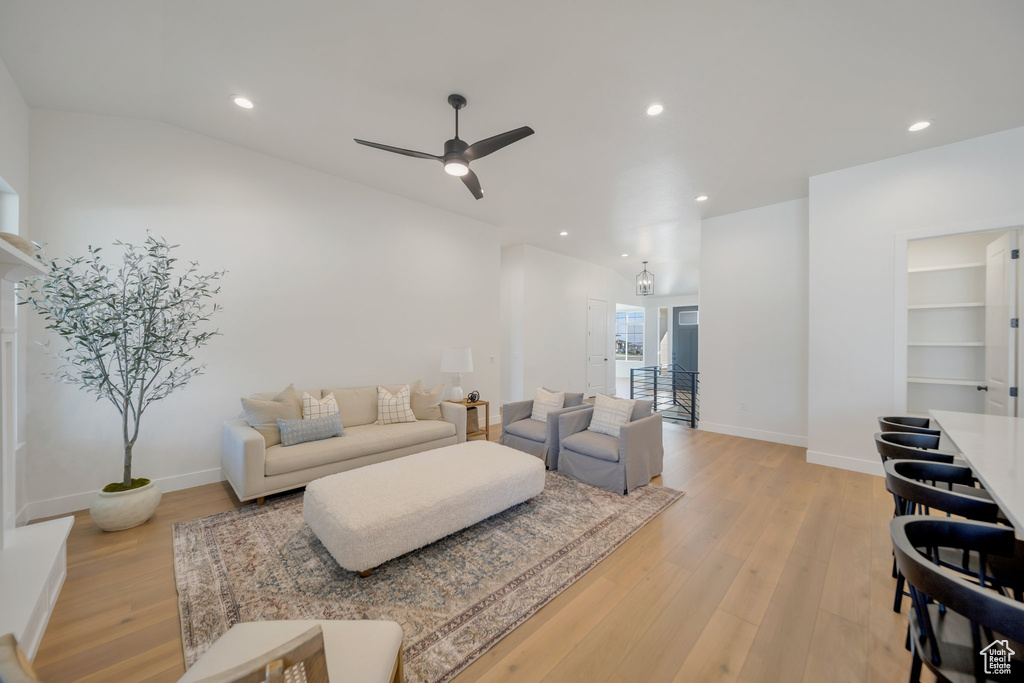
{"x":14,"y":170}
{"x":856,"y":216}
{"x":329,"y":284}
{"x":555,"y":289}
{"x":753,"y":323}
{"x":511,"y":314}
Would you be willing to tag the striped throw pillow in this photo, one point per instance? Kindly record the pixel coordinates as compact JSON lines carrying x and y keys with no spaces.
{"x":313,"y":408}
{"x":610,"y":414}
{"x":392,"y":408}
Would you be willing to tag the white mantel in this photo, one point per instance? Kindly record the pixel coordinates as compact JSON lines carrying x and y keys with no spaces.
{"x":33,"y":560}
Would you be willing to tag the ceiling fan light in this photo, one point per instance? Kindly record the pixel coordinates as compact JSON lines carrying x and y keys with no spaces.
{"x":456,"y":168}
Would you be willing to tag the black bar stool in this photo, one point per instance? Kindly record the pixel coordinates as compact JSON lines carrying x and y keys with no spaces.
{"x":918,"y":485}
{"x":914,"y":425}
{"x":955,"y":621}
{"x":911,"y":446}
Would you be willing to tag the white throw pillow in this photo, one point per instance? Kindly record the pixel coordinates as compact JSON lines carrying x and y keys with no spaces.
{"x":393,"y":408}
{"x":313,"y":408}
{"x":545,"y":401}
{"x":610,"y":414}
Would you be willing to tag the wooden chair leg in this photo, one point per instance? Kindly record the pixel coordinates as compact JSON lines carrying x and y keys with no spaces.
{"x":261,"y":500}
{"x":397,"y":675}
{"x":365,"y":573}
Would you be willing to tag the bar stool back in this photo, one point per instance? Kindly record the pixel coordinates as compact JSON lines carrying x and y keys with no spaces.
{"x":914,"y":425}
{"x":971,"y":618}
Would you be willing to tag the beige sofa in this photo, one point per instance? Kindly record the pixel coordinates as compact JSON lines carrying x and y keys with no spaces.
{"x":254,"y":471}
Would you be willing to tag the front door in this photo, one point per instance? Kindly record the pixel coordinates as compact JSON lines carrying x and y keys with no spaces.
{"x":597,"y":346}
{"x":684,"y":337}
{"x":1000,"y":285}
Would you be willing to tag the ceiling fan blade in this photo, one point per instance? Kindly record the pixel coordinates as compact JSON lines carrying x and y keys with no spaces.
{"x":399,"y":150}
{"x":481,"y":149}
{"x":473,"y":183}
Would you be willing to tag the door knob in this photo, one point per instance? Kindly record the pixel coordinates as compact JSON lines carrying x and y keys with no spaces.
{"x":982,"y":387}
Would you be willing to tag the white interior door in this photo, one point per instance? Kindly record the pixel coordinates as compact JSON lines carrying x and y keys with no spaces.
{"x":1000,"y":307}
{"x":597,"y":346}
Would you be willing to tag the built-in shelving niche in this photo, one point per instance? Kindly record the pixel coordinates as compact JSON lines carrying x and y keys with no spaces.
{"x":946,"y":323}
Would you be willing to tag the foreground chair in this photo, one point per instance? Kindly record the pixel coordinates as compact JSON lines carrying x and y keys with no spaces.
{"x":619,"y":464}
{"x":956,"y":624}
{"x":914,"y":425}
{"x":521,"y":432}
{"x":14,"y":667}
{"x":369,"y":651}
{"x":918,"y":486}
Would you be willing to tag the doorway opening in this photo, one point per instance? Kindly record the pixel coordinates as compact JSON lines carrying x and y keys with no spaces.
{"x":962,"y":347}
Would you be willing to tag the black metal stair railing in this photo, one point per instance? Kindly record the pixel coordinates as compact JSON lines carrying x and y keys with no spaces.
{"x":672,"y":388}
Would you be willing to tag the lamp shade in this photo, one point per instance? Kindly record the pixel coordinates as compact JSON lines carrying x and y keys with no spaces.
{"x":457,"y":360}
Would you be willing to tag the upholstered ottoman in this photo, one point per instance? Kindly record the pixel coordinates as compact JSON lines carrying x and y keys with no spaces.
{"x":373,"y":514}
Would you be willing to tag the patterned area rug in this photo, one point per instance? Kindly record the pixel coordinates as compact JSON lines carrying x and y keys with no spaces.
{"x":454,"y":599}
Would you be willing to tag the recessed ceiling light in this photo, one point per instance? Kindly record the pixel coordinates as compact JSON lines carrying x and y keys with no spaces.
{"x":243,"y":102}
{"x":625,"y":255}
{"x":563,"y":233}
{"x":920,"y":125}
{"x":655,"y":109}
{"x":700,"y":198}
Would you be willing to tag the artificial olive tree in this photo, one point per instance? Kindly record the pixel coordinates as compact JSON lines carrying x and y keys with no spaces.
{"x":130,"y":334}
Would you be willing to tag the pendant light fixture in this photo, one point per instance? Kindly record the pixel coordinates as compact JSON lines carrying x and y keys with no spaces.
{"x":645,"y":282}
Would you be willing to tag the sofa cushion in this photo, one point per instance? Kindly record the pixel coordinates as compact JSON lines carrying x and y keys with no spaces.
{"x":358,"y":441}
{"x":294,"y":432}
{"x":593,"y":444}
{"x":357,"y":405}
{"x":531,"y":429}
{"x":263,"y":415}
{"x":269,"y":395}
{"x":426,"y":404}
{"x":313,"y":407}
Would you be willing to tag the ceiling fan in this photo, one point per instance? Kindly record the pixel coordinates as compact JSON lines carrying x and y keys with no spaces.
{"x":458,"y":154}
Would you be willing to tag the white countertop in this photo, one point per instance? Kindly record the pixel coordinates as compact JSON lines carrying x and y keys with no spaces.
{"x":993,"y":446}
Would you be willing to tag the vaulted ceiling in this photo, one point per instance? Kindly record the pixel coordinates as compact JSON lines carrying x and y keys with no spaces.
{"x":758,"y":96}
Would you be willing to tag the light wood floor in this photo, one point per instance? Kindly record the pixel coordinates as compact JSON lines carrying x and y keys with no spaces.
{"x":769,"y":569}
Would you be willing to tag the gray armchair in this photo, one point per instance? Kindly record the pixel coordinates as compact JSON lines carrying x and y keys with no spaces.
{"x":521,"y":432}
{"x":614,"y":464}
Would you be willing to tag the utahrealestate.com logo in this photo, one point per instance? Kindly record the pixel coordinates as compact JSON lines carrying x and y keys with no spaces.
{"x":997,"y":657}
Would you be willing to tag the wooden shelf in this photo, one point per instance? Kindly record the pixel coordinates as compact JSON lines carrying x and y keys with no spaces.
{"x":940,"y":380}
{"x":946,"y":344}
{"x":955,"y":266}
{"x":969,"y":304}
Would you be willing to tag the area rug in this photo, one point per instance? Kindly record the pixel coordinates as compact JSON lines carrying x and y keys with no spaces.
{"x":454,"y":599}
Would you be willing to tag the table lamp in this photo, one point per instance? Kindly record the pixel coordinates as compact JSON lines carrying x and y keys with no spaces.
{"x":457,"y":361}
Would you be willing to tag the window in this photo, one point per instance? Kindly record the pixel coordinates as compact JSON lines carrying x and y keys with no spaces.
{"x":629,"y":335}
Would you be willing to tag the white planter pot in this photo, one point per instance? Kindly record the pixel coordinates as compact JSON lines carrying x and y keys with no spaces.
{"x":124,"y":509}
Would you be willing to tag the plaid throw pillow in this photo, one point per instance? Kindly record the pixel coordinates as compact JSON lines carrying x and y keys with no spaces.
{"x":393,"y":408}
{"x":544,"y":402}
{"x":313,"y":408}
{"x":610,"y":414}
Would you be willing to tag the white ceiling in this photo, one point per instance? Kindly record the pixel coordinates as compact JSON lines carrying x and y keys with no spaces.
{"x":758,"y":96}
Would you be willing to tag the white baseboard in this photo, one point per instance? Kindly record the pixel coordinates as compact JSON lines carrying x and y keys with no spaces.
{"x":79,"y":501}
{"x":845,"y":462}
{"x":759,"y":434}
{"x":21,"y":518}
